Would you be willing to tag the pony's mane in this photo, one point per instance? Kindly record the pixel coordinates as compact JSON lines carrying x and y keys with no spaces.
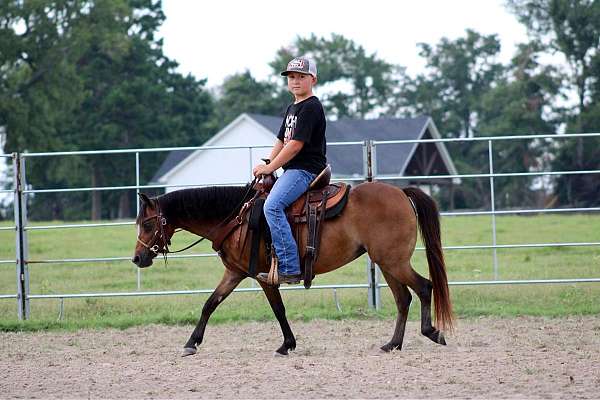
{"x":214,"y":202}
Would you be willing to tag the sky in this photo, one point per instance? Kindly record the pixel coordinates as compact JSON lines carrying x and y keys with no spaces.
{"x":215,"y":39}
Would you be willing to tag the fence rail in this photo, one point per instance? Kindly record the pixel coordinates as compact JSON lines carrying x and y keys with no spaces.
{"x":22,"y":227}
{"x":293,"y":288}
{"x":15,"y":295}
{"x":418,"y":248}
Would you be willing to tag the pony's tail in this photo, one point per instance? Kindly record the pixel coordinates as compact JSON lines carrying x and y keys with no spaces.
{"x":429,"y":225}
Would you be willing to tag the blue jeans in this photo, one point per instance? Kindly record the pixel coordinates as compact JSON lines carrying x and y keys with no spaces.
{"x":288,"y":187}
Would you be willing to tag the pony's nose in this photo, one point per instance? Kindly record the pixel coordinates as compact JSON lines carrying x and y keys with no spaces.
{"x":136,"y":260}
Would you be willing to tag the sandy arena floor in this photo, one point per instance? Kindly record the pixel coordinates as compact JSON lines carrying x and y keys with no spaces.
{"x":485,"y":358}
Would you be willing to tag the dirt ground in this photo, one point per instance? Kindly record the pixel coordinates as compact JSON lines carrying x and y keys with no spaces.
{"x":485,"y":358}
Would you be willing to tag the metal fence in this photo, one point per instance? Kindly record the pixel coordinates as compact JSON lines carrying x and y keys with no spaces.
{"x":369,"y":151}
{"x":3,"y":262}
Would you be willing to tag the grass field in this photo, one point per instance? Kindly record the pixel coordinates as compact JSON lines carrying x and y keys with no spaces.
{"x":204,"y":273}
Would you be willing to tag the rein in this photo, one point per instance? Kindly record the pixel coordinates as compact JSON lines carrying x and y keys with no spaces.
{"x":161,"y":221}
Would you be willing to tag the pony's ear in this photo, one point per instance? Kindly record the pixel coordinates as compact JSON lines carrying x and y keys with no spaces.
{"x":145,"y":200}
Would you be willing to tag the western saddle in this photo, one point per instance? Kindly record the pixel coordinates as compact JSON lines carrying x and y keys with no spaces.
{"x":323,"y":200}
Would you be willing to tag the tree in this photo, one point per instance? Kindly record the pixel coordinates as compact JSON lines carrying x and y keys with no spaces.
{"x":102,"y":82}
{"x":515,"y":106}
{"x":354,"y":83}
{"x":458,"y":74}
{"x":143,"y":103}
{"x":39,"y":86}
{"x":242,"y":93}
{"x":572,"y":28}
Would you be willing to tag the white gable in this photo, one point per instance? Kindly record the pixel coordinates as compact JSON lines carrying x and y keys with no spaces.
{"x":224,"y":166}
{"x":435,"y":134}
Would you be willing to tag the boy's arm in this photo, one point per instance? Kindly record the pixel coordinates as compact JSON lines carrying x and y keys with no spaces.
{"x":286,"y":154}
{"x":283,"y":155}
{"x":276,"y":149}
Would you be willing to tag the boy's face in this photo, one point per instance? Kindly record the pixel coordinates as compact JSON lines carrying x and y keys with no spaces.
{"x":300,"y":85}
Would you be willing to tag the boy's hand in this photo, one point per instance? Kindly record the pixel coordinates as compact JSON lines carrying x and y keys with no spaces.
{"x":262,"y":169}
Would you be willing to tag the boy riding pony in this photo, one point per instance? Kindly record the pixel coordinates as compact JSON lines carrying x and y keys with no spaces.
{"x":300,"y":149}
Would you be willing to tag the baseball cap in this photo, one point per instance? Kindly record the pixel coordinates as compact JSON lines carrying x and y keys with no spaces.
{"x":304,"y":65}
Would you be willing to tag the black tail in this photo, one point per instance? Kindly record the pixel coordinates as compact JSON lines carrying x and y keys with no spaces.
{"x":429,"y":225}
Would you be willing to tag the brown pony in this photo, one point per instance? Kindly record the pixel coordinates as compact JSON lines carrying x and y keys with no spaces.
{"x":379,"y":219}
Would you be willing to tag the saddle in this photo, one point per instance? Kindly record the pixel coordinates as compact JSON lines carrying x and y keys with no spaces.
{"x":322,"y":201}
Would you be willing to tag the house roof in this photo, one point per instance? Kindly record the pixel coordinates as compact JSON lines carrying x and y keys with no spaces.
{"x":172,"y":160}
{"x":390,"y":159}
{"x":268,"y":121}
{"x":347,"y":160}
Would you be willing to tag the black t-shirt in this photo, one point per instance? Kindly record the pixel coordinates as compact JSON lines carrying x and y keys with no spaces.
{"x":305,"y":121}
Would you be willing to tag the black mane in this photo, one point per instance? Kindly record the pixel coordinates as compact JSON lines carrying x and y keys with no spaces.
{"x":214,"y":202}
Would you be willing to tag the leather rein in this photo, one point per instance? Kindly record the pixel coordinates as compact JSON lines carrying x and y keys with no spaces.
{"x":161,"y":222}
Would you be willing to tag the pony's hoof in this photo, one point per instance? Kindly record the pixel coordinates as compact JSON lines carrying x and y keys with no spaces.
{"x":390,"y":347}
{"x":281,"y":352}
{"x":441,"y":340}
{"x":188,"y":351}
{"x":285,"y":348}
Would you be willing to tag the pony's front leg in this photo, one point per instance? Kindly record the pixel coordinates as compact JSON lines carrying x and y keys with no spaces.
{"x":274,"y":297}
{"x":229,"y":282}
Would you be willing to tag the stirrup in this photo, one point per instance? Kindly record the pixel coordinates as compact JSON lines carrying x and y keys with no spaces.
{"x":273,"y":279}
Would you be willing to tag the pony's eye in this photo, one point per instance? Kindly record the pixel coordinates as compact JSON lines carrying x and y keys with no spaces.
{"x":147,"y":226}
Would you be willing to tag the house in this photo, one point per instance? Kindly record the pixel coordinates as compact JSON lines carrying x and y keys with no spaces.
{"x":253,"y":136}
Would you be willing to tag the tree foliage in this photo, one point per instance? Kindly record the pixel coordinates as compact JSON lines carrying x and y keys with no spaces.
{"x":242,"y":93}
{"x":572,"y":28}
{"x":516,"y":106}
{"x":355,"y":83}
{"x":458,"y":73}
{"x":91,"y":75}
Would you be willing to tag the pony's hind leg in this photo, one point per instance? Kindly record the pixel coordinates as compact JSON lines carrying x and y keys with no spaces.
{"x":403,"y":298}
{"x":274,"y":297}
{"x":229,"y":282}
{"x":422,"y":287}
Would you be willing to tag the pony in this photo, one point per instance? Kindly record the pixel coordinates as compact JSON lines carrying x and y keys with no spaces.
{"x":379,"y":219}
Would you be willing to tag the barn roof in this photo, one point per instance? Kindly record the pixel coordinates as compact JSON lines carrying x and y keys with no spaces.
{"x":347,"y":160}
{"x":391,"y":159}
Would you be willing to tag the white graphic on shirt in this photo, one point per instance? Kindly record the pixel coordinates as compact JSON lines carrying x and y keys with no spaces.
{"x":290,"y":127}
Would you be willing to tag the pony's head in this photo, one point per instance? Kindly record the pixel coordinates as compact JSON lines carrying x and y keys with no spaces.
{"x":154,"y":232}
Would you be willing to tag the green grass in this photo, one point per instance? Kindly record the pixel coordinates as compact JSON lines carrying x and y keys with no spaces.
{"x":204,"y":273}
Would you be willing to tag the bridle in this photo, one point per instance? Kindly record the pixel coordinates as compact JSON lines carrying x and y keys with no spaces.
{"x":161,"y":222}
{"x":152,"y":245}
